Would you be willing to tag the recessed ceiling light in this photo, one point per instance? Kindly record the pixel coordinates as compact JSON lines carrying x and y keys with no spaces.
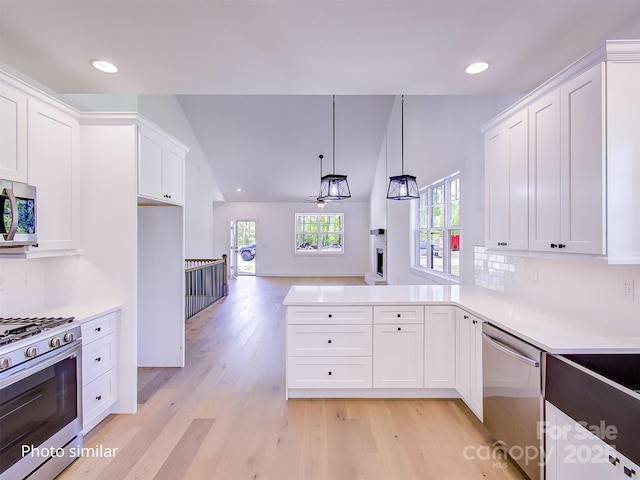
{"x":477,"y":67}
{"x":238,"y":189}
{"x":104,"y":66}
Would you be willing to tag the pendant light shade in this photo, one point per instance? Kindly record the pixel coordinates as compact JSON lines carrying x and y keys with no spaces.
{"x":403,"y":187}
{"x":332,"y":186}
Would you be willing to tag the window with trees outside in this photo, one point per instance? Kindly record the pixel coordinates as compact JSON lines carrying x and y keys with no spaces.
{"x":438,"y":233}
{"x":319,"y":233}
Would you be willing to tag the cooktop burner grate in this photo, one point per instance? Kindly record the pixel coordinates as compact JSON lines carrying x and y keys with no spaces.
{"x":14,"y":329}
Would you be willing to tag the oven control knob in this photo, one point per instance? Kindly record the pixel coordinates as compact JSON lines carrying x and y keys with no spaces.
{"x":4,"y":363}
{"x":55,"y":342}
{"x":31,"y":352}
{"x":69,"y":337}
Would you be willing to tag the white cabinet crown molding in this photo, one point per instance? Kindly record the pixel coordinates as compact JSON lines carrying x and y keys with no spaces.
{"x":609,"y":51}
{"x":128,"y":118}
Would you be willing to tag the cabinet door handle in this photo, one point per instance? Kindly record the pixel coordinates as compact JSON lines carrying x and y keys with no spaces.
{"x":613,"y":460}
{"x":98,"y":329}
{"x":629,"y":472}
{"x":561,"y":245}
{"x":466,"y":317}
{"x":553,"y":245}
{"x":399,"y":315}
{"x":329,"y":341}
{"x":98,"y":359}
{"x":99,"y":397}
{"x":329,"y":372}
{"x":399,"y":329}
{"x":330,"y":315}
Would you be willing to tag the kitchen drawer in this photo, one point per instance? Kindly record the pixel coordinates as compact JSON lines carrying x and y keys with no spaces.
{"x":338,"y":315}
{"x":98,"y":396}
{"x":99,"y":327}
{"x":398,"y":314}
{"x":98,"y":357}
{"x":329,"y":372}
{"x":329,"y":340}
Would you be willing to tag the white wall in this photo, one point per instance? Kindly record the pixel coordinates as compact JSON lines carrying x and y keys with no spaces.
{"x":441,"y":136}
{"x":275,"y":238}
{"x":106,"y":272}
{"x":201,"y":186}
{"x":590,"y":289}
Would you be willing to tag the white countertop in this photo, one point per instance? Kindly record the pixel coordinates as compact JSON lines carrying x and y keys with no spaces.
{"x":552,"y":331}
{"x":80,"y":313}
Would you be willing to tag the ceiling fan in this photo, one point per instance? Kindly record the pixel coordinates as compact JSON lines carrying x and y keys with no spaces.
{"x":315,"y":198}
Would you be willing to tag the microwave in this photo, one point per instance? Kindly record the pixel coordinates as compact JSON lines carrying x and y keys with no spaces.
{"x":18,"y":204}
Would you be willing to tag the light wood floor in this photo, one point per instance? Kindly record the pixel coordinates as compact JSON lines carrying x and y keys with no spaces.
{"x":224,"y":415}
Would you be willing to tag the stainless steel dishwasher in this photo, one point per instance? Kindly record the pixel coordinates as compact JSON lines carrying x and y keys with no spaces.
{"x":513,"y":403}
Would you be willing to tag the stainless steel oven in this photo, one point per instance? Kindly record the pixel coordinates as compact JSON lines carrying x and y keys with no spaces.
{"x":40,"y":403}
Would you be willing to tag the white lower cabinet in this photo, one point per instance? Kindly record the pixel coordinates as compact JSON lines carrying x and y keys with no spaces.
{"x":439,"y":347}
{"x":329,"y":347}
{"x":469,"y":360}
{"x":380,"y":350}
{"x":329,"y":372}
{"x":398,"y":347}
{"x":98,"y":368}
{"x":572,"y":451}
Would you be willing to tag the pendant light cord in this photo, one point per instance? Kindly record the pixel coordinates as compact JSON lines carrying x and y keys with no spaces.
{"x":402,"y":136}
{"x":334,"y":135}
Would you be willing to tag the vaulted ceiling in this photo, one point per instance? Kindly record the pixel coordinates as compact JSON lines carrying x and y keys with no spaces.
{"x":255,"y":77}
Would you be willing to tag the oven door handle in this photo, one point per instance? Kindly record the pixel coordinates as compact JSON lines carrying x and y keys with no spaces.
{"x":512,"y":353}
{"x":48,"y":359}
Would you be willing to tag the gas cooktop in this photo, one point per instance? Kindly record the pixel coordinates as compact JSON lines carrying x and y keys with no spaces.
{"x":14,"y":329}
{"x":23,"y":339}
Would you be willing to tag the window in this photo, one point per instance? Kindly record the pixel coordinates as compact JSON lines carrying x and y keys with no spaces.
{"x":325,"y":230}
{"x":439,"y":227}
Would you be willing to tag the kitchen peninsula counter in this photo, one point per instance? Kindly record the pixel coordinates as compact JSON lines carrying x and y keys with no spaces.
{"x":550,"y":330}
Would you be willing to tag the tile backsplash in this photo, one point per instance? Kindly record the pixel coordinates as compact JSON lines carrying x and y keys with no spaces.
{"x":22,"y":285}
{"x":592,"y":290}
{"x":493,"y":270}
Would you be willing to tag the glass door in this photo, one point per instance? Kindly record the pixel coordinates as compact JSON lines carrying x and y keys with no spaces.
{"x":243,"y":247}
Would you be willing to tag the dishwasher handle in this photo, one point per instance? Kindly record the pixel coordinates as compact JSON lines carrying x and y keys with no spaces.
{"x":512,"y":353}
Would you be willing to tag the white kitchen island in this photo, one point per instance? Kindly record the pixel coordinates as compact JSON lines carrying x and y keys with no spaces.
{"x":346,"y":341}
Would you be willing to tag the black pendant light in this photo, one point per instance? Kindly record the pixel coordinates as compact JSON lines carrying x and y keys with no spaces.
{"x":332,"y":186}
{"x":403,"y":187}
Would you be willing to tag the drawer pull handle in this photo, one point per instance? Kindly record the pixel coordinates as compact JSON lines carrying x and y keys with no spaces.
{"x":99,"y":397}
{"x":629,"y":472}
{"x":330,"y":315}
{"x":328,"y":341}
{"x":98,"y":359}
{"x":329,"y":372}
{"x":399,"y":315}
{"x":98,"y":329}
{"x":613,"y":460}
{"x":399,"y":329}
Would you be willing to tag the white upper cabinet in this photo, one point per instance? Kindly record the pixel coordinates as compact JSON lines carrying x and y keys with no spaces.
{"x":506,"y":183}
{"x":566,"y":167}
{"x":54,"y":168}
{"x":40,"y":145}
{"x":161,"y":167}
{"x":583,"y":157}
{"x":13,"y":134}
{"x":544,"y":172}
